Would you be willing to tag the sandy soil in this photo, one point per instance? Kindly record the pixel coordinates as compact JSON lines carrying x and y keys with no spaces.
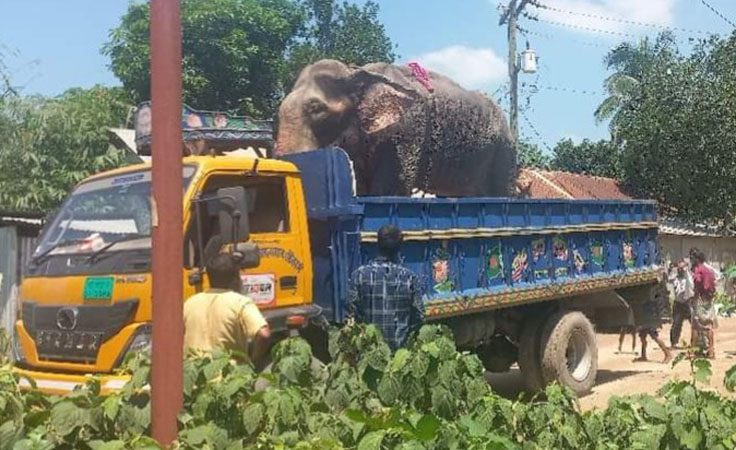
{"x":619,"y":375}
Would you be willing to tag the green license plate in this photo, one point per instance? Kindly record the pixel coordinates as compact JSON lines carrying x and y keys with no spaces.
{"x":98,"y":288}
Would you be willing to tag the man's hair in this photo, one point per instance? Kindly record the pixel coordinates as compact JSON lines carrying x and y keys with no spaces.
{"x":223,"y":272}
{"x":697,"y":255}
{"x":389,"y":240}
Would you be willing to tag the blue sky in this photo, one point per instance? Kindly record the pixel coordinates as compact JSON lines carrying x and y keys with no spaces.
{"x":56,"y":44}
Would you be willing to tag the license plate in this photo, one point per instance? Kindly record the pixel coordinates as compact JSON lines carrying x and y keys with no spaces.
{"x":98,"y":288}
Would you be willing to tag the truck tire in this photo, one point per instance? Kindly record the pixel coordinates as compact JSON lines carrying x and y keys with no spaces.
{"x":569,"y":351}
{"x":530,"y":356}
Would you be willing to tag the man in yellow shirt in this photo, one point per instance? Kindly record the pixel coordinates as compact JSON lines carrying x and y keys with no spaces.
{"x":223,"y":318}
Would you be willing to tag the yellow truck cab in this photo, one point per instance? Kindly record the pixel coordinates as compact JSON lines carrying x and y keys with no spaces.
{"x":86,"y":295}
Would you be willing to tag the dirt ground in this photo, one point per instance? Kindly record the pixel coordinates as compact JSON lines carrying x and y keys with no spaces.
{"x":619,"y":375}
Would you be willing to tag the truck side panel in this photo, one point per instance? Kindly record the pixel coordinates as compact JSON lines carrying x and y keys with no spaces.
{"x":476,"y":254}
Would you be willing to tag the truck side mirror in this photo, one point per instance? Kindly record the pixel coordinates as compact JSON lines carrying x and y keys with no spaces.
{"x":247,"y":255}
{"x":233,"y":213}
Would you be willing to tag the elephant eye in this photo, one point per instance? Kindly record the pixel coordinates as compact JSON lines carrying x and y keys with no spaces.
{"x":315,"y":106}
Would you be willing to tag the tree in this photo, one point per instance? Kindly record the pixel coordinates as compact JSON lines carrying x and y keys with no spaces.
{"x":232,"y":52}
{"x":345,"y":32}
{"x":241,"y":54}
{"x":49,"y":145}
{"x":679,"y":130}
{"x":531,"y":156}
{"x":601,"y":158}
{"x":630,"y":62}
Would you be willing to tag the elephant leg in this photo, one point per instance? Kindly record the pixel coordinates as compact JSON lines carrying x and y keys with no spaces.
{"x":386,"y":176}
{"x":463,"y":174}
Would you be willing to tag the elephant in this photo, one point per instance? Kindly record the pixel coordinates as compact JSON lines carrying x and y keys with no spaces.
{"x":403,"y":133}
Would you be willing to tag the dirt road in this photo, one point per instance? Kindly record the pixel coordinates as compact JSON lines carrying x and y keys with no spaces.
{"x":619,"y":375}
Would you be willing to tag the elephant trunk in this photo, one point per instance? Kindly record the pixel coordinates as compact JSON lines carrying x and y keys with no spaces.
{"x":294,"y":134}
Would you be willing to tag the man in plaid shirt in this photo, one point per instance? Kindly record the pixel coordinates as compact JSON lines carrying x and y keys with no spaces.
{"x":387,"y":294}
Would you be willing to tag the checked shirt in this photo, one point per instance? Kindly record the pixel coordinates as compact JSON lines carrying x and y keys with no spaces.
{"x":389,"y":296}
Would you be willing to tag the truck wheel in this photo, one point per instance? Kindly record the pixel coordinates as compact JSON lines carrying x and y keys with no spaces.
{"x":530,"y":357}
{"x":570,"y":352}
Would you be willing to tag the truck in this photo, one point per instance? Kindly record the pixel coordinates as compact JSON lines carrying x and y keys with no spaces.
{"x":518,"y":281}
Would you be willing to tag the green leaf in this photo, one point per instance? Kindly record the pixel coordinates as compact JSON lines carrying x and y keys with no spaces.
{"x":111,"y":406}
{"x":372,"y":440}
{"x":692,"y":438}
{"x":729,"y":381}
{"x":253,"y":417}
{"x":110,"y":445}
{"x":702,"y":370}
{"x":67,"y":417}
{"x":400,"y":359}
{"x":427,"y":427}
{"x":389,"y":389}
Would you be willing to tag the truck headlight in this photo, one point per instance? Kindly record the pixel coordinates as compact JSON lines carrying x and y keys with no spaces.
{"x":140,"y":342}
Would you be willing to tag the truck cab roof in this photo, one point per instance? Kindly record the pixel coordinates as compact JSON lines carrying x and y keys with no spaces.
{"x":208,"y":163}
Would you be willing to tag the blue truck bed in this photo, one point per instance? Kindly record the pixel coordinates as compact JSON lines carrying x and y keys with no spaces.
{"x":475,"y":254}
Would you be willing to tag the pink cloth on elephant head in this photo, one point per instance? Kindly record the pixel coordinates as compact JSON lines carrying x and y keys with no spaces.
{"x":421,"y":75}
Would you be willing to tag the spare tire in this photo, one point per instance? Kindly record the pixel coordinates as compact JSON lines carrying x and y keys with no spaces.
{"x":570,"y":351}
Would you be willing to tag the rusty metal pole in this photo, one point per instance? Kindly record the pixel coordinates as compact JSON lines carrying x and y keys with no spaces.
{"x":168,"y":326}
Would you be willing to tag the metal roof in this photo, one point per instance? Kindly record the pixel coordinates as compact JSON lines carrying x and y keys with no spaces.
{"x":678,"y":227}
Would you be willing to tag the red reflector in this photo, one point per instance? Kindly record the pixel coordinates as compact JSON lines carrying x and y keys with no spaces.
{"x":295,"y":321}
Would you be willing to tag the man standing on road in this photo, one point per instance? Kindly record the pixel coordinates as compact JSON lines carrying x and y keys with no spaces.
{"x":681,"y":308}
{"x":704,"y":314}
{"x":223,"y":318}
{"x":387,"y":294}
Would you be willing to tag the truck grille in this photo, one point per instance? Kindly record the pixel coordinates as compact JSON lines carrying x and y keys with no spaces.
{"x":74,"y":333}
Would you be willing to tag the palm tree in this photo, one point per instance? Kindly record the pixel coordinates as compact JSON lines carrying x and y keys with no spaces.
{"x":630,"y":62}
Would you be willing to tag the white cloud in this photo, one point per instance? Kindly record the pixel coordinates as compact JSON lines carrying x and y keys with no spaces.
{"x":659,"y":12}
{"x":473,"y":68}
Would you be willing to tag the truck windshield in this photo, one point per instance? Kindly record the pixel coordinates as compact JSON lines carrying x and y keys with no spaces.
{"x":114,"y":210}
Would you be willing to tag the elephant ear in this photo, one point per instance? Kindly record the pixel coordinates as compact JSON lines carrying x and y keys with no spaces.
{"x":382,"y":102}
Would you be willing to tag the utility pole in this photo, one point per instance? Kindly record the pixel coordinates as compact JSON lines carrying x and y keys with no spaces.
{"x":167,"y":252}
{"x":510,"y":16}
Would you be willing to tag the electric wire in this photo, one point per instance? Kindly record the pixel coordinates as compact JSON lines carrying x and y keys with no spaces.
{"x":718,"y":13}
{"x":616,"y":19}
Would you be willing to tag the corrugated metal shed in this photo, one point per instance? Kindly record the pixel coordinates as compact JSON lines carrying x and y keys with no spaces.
{"x":677,"y":227}
{"x":18,"y":236}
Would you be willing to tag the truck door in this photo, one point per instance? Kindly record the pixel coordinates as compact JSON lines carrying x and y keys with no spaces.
{"x":279,"y":280}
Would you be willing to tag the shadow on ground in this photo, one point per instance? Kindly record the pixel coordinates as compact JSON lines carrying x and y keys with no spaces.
{"x":511,"y":384}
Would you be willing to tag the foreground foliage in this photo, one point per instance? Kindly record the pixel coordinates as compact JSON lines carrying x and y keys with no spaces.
{"x":428,"y":396}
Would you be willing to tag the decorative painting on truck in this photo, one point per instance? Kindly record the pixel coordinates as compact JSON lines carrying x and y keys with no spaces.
{"x":629,"y":254}
{"x":494,"y":268}
{"x":519,"y":266}
{"x":539,"y":259}
{"x":597,"y":256}
{"x":561,"y":257}
{"x":441,"y":273}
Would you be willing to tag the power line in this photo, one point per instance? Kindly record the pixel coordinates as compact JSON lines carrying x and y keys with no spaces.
{"x":609,"y":32}
{"x":718,"y":13}
{"x":590,"y":29}
{"x":616,"y":19}
{"x":527,"y":32}
{"x":563,"y":89}
{"x":535,"y":131}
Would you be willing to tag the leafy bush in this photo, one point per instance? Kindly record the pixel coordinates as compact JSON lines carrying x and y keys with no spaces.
{"x":427,"y":396}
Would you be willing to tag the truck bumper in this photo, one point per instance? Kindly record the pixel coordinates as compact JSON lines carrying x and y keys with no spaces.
{"x":61,"y":384}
